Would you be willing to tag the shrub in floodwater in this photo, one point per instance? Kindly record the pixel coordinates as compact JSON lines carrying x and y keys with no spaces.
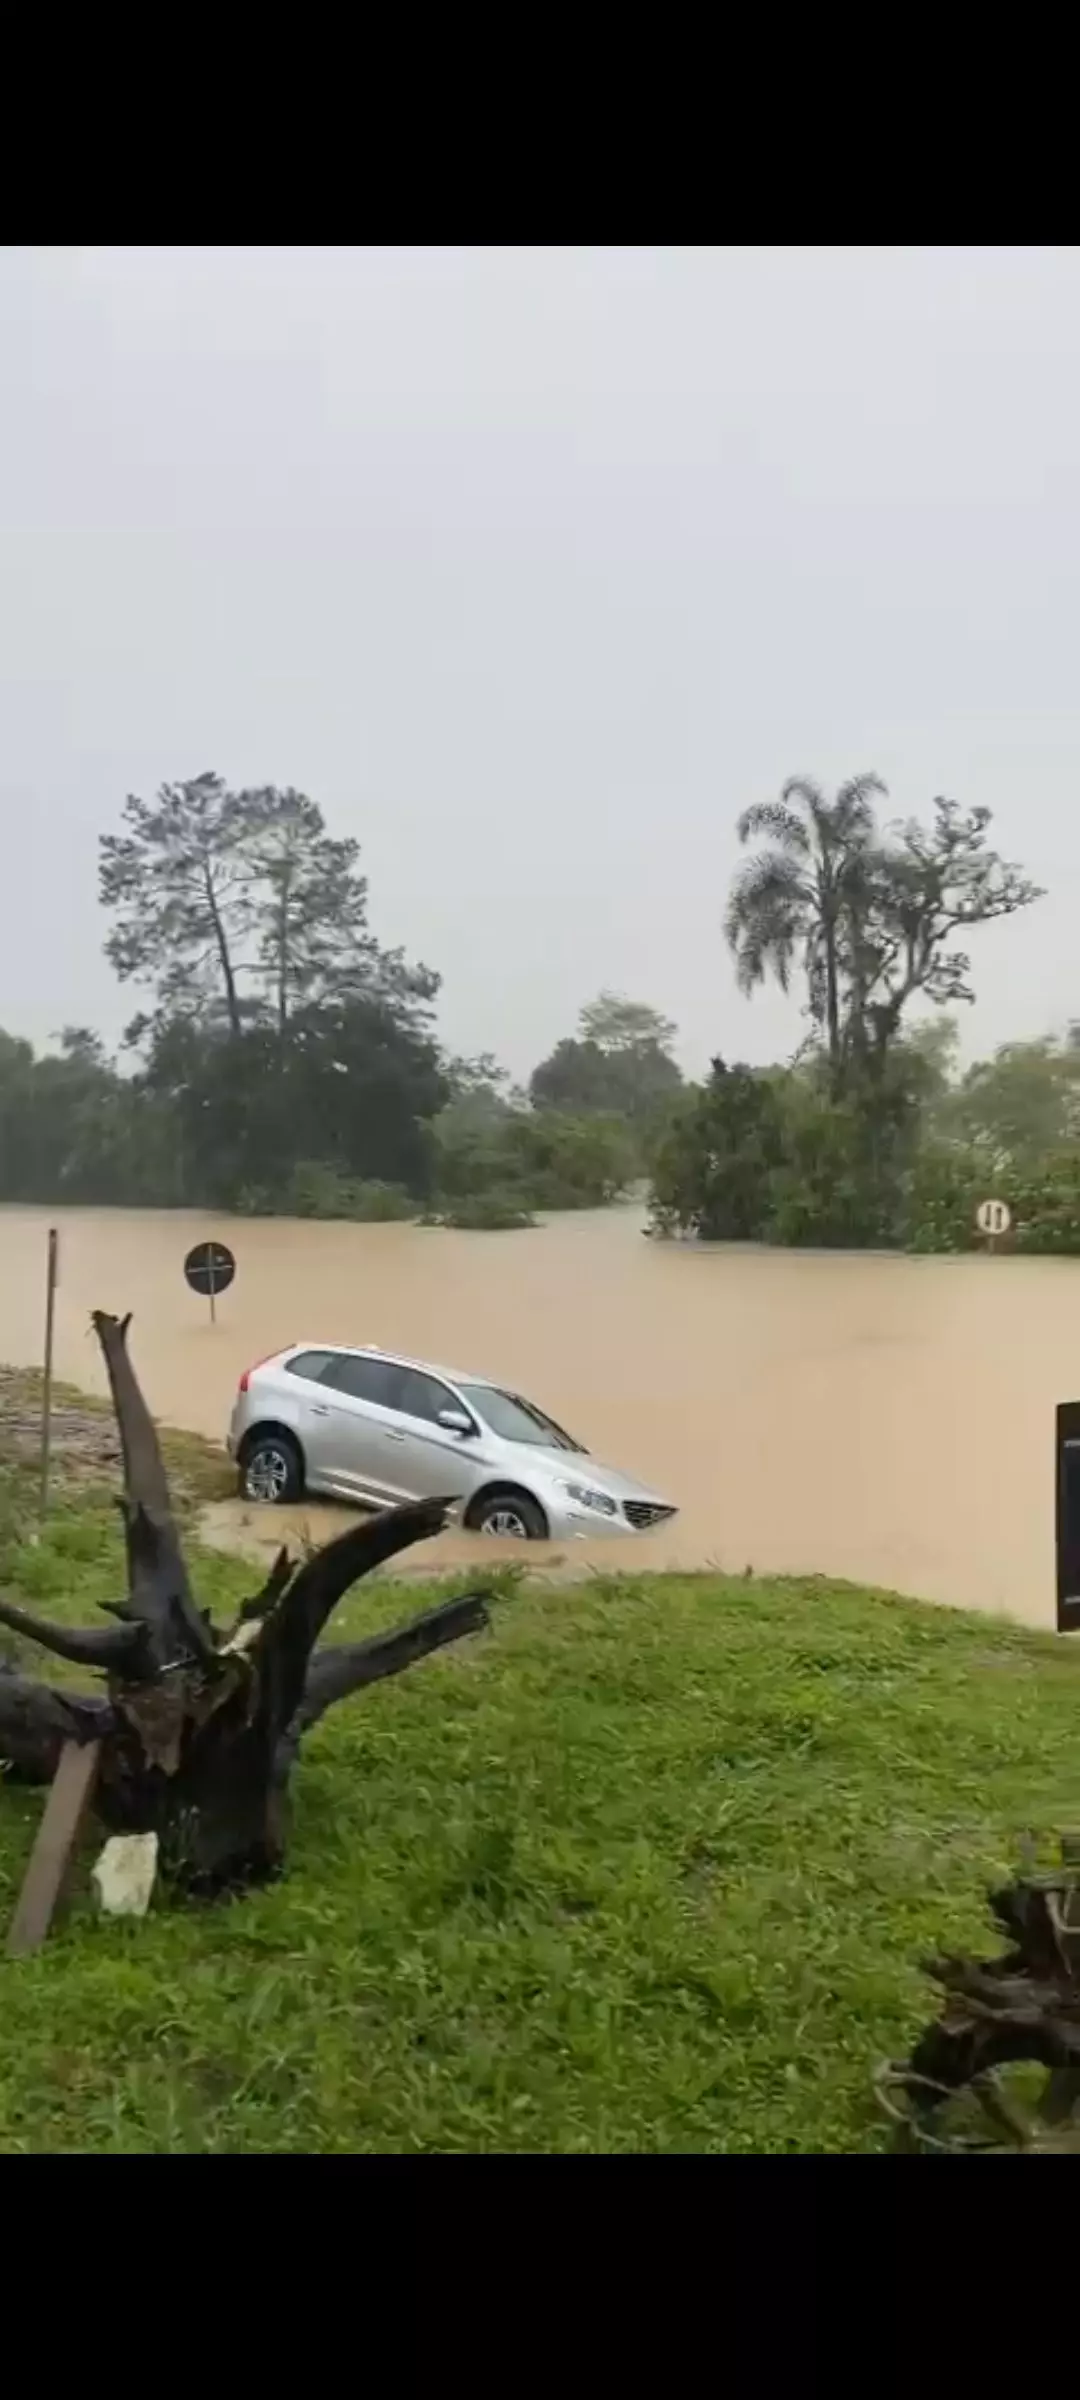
{"x":314,"y":1189}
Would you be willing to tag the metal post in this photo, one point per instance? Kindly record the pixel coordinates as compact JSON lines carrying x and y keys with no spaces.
{"x":52,"y":1279}
{"x":210,"y":1272}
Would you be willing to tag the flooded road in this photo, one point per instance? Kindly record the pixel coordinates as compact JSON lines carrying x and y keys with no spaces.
{"x":885,"y":1419}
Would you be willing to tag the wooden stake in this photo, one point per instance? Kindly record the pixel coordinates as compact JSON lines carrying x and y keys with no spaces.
{"x":66,"y":1809}
{"x":51,"y":1280}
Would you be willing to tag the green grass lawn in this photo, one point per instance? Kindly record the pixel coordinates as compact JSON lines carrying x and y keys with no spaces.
{"x":651,"y":1866}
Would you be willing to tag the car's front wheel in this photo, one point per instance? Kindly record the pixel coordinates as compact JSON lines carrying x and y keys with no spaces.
{"x":509,"y":1516}
{"x":272,"y":1469}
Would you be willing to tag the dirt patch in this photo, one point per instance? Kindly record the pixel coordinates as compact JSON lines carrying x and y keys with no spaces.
{"x":84,"y":1440}
{"x":255,"y":1533}
{"x":85,"y":1445}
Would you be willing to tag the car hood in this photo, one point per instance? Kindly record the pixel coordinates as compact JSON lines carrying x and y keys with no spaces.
{"x":577,"y":1466}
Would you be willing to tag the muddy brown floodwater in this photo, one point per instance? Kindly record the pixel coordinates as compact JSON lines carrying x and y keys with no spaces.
{"x":886,"y":1419}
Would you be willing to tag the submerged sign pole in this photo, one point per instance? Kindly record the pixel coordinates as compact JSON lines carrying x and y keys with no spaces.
{"x":209,"y":1269}
{"x":52,"y":1278}
{"x":993,"y":1218}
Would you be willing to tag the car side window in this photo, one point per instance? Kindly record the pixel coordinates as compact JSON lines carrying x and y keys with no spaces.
{"x":372,"y":1379}
{"x":310,"y":1365}
{"x":421,"y":1396}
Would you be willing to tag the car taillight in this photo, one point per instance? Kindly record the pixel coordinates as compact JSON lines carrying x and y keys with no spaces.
{"x":245,"y":1378}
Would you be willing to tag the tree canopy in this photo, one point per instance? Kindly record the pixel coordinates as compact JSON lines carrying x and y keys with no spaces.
{"x":287,"y":1060}
{"x":872,"y":919}
{"x":239,"y":909}
{"x":618,"y":1064}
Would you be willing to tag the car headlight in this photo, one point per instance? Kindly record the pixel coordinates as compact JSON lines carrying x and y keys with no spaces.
{"x":587,"y":1498}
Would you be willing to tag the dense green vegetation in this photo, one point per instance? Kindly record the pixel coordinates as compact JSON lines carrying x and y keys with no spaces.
{"x":773,"y":1156}
{"x":649,"y":1867}
{"x":871,"y":1136}
{"x":287,"y":1061}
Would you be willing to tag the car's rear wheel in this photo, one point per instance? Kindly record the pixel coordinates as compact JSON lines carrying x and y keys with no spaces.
{"x":271,"y":1468}
{"x":509,"y":1516}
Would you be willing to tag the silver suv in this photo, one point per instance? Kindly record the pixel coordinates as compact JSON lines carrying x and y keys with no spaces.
{"x":364,"y":1425}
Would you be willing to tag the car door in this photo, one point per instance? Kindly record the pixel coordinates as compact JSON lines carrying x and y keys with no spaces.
{"x":434,"y":1462}
{"x":358,"y":1428}
{"x":303,"y":1406}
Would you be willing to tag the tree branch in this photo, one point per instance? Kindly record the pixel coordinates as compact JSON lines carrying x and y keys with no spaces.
{"x":36,"y":1719}
{"x":144,"y":1468}
{"x":347,"y":1666}
{"x":160,"y":1593}
{"x":110,"y":1647}
{"x":295,"y":1625}
{"x":278,"y":1580}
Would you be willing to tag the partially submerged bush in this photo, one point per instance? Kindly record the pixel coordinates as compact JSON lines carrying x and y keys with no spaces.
{"x":313,"y":1189}
{"x":486,"y":1212}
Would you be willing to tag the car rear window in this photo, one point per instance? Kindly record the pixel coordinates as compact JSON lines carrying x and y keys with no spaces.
{"x":373,"y":1379}
{"x":309,"y":1365}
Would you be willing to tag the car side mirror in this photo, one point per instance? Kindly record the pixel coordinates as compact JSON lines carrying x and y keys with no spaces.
{"x":454,"y":1420}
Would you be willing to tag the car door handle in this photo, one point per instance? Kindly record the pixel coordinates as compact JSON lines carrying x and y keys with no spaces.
{"x":318,"y":1410}
{"x":392,"y":1436}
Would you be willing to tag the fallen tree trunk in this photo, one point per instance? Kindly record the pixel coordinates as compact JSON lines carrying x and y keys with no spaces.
{"x":200,"y":1730}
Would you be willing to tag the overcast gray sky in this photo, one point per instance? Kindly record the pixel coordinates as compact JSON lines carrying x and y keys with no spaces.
{"x":534,"y":567}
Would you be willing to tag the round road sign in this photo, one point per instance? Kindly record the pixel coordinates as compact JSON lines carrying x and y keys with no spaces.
{"x":993,"y":1217}
{"x":209,"y":1268}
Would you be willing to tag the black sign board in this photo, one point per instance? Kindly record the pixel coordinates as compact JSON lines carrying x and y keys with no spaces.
{"x":1067,"y":1471}
{"x":209,"y":1269}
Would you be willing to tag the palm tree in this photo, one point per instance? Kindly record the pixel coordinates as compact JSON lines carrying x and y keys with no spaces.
{"x":797,"y":899}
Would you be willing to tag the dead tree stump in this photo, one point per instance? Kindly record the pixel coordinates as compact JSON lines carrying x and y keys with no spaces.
{"x":1000,"y":2069}
{"x":198,"y":1730}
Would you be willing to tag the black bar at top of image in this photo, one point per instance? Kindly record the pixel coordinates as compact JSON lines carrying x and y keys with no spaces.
{"x":1067,"y":1477}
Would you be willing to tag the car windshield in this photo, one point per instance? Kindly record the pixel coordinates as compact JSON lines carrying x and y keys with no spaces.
{"x":516,"y":1420}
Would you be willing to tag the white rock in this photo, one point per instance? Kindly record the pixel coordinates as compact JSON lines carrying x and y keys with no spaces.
{"x":124,"y":1874}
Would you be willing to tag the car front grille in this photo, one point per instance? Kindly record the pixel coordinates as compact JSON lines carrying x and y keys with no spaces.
{"x":643,"y":1513}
